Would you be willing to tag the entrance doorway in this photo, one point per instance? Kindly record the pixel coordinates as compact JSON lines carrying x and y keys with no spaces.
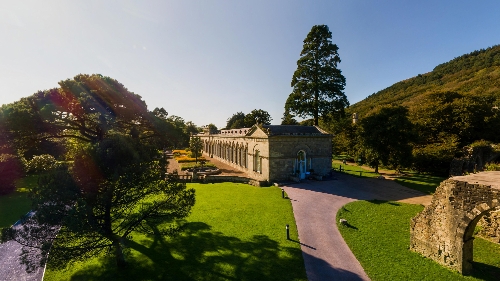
{"x":302,"y":164}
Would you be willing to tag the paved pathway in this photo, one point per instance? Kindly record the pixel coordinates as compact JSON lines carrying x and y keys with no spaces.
{"x":226,"y":169}
{"x":315,"y":205}
{"x":10,"y":266}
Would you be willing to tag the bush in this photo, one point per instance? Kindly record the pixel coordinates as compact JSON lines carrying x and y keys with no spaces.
{"x":433,"y":159}
{"x":41,"y":163}
{"x":11,"y":169}
{"x":492,"y":167}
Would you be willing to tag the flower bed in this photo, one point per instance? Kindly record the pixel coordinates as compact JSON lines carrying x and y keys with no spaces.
{"x":185,"y":159}
{"x":189,"y":165}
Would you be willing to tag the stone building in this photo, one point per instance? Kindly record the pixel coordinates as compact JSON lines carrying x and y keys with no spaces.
{"x":272,"y":152}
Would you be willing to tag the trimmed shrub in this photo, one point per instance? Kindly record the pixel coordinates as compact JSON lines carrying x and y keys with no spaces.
{"x":185,"y":166}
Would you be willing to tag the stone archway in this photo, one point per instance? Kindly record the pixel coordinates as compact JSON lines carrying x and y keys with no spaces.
{"x":443,"y":231}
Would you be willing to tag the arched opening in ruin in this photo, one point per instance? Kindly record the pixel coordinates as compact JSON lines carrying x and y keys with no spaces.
{"x":444,"y":230}
{"x":468,"y":241}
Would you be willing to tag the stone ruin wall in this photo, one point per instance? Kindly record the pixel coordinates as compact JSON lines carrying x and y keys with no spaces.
{"x":490,"y":226}
{"x":473,"y":160}
{"x":443,"y":230}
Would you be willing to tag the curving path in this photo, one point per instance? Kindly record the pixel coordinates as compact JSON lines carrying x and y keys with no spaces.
{"x":315,"y":205}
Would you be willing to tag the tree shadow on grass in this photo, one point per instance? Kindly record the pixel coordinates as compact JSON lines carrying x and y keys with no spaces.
{"x":485,"y":271}
{"x":201,"y":254}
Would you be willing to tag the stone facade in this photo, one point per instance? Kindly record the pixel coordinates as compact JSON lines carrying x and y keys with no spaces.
{"x":444,"y":230}
{"x":272,"y":152}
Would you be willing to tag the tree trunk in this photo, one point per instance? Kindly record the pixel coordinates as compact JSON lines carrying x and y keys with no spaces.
{"x":376,"y":169}
{"x":119,"y":256}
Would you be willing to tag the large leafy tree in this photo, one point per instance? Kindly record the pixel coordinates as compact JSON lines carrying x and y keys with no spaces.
{"x":115,"y":184}
{"x":385,"y":137}
{"x":257,"y":116}
{"x":236,"y":121}
{"x":242,"y":120}
{"x":318,"y":85}
{"x":108,"y":192}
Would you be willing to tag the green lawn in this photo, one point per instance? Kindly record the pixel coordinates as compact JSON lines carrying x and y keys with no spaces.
{"x":354,"y":170}
{"x":13,"y":206}
{"x":425,"y":183}
{"x":379,"y":236}
{"x":421,"y":182}
{"x":235,"y":232}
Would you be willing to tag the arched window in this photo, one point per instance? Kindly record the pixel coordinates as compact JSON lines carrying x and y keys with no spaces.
{"x":257,"y":162}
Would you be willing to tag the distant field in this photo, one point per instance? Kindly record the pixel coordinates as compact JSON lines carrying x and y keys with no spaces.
{"x":235,"y":232}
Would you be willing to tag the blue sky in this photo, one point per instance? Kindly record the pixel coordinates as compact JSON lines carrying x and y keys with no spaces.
{"x":206,"y":60}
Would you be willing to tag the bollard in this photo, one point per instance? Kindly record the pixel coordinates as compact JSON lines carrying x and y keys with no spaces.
{"x":360,"y":172}
{"x":287,"y":232}
{"x":340,"y":168}
{"x":282,"y":193}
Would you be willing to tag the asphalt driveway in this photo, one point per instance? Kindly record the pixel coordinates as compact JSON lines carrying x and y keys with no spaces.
{"x":315,"y":205}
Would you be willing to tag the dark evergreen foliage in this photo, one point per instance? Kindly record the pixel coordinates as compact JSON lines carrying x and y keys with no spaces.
{"x":318,"y":85}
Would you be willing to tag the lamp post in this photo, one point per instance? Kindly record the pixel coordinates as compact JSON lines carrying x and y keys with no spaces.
{"x":287,"y":232}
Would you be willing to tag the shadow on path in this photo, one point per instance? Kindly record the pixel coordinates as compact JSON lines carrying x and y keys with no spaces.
{"x":363,"y":189}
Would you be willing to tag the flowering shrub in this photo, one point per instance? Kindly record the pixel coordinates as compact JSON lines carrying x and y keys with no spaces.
{"x":185,"y":159}
{"x":41,"y":163}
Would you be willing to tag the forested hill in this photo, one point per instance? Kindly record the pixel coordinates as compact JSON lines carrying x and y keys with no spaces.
{"x":477,"y":73}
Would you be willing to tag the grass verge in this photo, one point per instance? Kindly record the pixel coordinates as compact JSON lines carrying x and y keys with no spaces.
{"x":379,"y":236}
{"x":235,"y":232}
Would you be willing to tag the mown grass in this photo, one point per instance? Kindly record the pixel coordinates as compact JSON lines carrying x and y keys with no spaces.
{"x":353,"y":169}
{"x":14,"y":205}
{"x":421,"y":182}
{"x":379,"y":236}
{"x":235,"y":232}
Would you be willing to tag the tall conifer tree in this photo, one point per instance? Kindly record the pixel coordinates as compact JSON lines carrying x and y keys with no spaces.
{"x":318,"y":85}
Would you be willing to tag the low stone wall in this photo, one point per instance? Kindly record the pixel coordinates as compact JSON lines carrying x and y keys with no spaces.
{"x":443,"y":231}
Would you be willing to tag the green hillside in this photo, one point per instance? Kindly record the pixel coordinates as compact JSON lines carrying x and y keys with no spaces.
{"x":477,"y":73}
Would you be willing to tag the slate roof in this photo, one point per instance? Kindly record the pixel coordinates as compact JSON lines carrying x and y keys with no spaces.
{"x":274,"y":130}
{"x":293,"y":130}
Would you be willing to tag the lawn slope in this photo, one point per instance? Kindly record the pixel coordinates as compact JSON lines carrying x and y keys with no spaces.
{"x":235,"y":232}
